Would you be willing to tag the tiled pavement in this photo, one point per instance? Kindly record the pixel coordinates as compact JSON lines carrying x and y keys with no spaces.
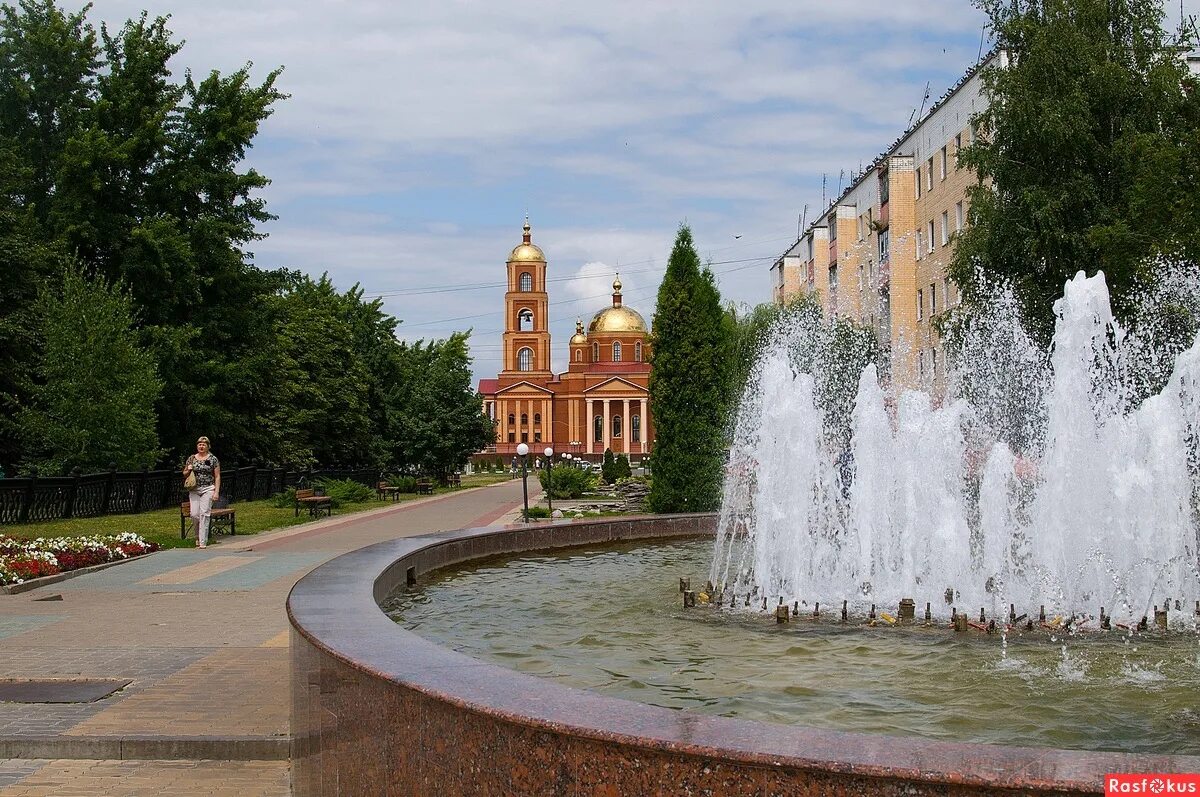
{"x":203,"y":637}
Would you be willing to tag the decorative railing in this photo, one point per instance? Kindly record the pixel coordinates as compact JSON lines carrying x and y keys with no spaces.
{"x":37,"y":498}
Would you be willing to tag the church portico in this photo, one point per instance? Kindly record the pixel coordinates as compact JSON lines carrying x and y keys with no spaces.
{"x":601,"y":401}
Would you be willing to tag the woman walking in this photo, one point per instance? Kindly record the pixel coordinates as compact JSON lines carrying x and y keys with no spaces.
{"x":205,"y":466}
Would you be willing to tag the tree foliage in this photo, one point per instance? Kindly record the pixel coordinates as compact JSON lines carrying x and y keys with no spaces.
{"x":1090,"y":149}
{"x":93,"y":401}
{"x":689,"y":384}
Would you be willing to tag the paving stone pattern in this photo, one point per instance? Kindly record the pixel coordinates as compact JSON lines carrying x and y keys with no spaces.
{"x":87,"y":778}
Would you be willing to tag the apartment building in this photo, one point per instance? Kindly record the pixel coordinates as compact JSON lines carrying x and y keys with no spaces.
{"x":878,"y":253}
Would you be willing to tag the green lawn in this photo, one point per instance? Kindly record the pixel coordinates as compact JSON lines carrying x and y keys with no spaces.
{"x":162,"y":526}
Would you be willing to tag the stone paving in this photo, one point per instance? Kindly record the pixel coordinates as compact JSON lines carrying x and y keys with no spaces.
{"x":203,"y":637}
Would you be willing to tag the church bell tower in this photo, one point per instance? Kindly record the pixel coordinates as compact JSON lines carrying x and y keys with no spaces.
{"x":526,"y":312}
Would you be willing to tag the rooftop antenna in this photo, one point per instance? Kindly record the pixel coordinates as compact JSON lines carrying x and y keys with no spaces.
{"x":801,"y":220}
{"x":841,"y":174}
{"x":822,"y":189}
{"x":982,"y":31}
{"x":924,"y":100}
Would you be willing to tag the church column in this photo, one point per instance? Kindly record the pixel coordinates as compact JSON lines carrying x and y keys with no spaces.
{"x":626,"y":426}
{"x":645,"y":424}
{"x":606,"y":427}
{"x":590,"y":427}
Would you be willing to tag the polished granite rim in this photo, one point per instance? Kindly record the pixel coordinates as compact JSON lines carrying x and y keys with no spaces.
{"x":336,"y":609}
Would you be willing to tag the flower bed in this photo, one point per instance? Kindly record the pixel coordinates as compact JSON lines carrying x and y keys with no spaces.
{"x":22,"y":560}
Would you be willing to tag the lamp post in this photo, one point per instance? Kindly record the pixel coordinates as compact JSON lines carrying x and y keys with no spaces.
{"x":549,"y":452}
{"x":523,"y":453}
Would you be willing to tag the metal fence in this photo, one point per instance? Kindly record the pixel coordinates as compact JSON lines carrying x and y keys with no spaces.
{"x":38,"y":498}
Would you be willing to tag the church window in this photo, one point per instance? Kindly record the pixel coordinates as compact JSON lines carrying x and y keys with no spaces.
{"x":616,"y":424}
{"x":637,"y":352}
{"x":524,"y":419}
{"x":537,"y":417}
{"x":537,"y":437}
{"x":595,"y":352}
{"x":512,"y":437}
{"x":616,"y":351}
{"x":524,"y":437}
{"x":525,"y":359}
{"x":635,"y":428}
{"x":526,"y":281}
{"x":525,"y":320}
{"x":598,"y":428}
{"x":579,"y":355}
{"x":512,"y":419}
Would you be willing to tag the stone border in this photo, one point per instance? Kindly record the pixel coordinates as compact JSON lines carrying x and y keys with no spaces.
{"x":148,"y":748}
{"x":378,"y":709}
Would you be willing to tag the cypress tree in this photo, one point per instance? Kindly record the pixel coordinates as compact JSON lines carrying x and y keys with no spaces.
{"x":689,"y":385}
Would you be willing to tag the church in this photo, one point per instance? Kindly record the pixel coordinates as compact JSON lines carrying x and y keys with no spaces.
{"x":601,"y":401}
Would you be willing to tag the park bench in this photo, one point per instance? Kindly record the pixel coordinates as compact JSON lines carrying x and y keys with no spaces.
{"x":316,"y":504}
{"x":424,"y":487}
{"x":454,"y":480}
{"x":383,"y":489}
{"x":221,"y":519}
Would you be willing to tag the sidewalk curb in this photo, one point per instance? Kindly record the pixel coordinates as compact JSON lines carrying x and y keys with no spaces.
{"x":149,"y":748}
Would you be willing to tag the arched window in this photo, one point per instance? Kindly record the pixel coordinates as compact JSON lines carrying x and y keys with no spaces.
{"x":598,"y":428}
{"x":595,"y":352}
{"x":637,"y":352}
{"x":512,"y":419}
{"x":537,"y":417}
{"x":616,"y":423}
{"x":524,"y":419}
{"x":525,"y":359}
{"x":635,"y":427}
{"x":616,"y":351}
{"x":526,"y":281}
{"x":525,"y":320}
{"x":579,"y":355}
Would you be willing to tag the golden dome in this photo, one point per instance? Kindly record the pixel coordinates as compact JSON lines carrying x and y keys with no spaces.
{"x":617,"y":319}
{"x":578,"y":339}
{"x":526,"y":251}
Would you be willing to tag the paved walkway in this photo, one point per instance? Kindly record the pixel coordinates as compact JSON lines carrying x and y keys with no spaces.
{"x":203,"y":637}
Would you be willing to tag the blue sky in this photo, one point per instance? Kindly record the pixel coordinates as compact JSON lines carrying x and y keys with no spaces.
{"x":418,"y":135}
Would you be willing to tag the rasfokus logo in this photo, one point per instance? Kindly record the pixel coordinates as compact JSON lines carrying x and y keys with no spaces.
{"x":1152,"y":783}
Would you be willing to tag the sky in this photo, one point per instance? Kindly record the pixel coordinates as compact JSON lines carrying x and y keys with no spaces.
{"x":417,"y":136}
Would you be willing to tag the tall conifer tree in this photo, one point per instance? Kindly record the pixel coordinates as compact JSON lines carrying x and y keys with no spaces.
{"x":689,"y":385}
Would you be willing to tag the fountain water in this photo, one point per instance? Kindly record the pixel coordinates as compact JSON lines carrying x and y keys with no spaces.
{"x":1040,"y":480}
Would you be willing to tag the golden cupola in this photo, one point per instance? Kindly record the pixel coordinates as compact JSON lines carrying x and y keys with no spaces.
{"x":526,"y":251}
{"x":578,"y":339}
{"x":618,"y":318}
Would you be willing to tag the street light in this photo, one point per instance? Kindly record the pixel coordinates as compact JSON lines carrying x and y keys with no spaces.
{"x":549,"y":452}
{"x":523,"y":453}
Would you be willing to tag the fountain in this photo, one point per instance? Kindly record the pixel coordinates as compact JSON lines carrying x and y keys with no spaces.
{"x":849,"y":543}
{"x":1093,"y":515}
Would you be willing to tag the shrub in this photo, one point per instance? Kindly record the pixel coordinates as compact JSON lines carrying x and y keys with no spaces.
{"x":345,"y":491}
{"x":566,"y":481}
{"x":285,"y":500}
{"x":621,"y":469}
{"x":608,"y":469}
{"x":538,"y":512}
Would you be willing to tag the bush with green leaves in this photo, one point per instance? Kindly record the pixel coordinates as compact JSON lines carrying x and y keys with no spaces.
{"x":345,"y":491}
{"x":405,"y":484}
{"x":538,"y":512}
{"x":566,"y":481}
{"x":608,"y":468}
{"x":621,"y":469}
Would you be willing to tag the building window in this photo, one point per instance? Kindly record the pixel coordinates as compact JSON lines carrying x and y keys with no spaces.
{"x":920,"y":244}
{"x":885,"y":243}
{"x":512,"y":419}
{"x":862,"y":283}
{"x":525,"y":359}
{"x":616,"y":426}
{"x":883,"y":188}
{"x":579,"y":355}
{"x":537,"y":437}
{"x":833,"y":226}
{"x":595,"y":352}
{"x":921,"y":363}
{"x":930,"y":238}
{"x":512,"y":437}
{"x":929,"y":176}
{"x":637,"y":351}
{"x":920,"y":304}
{"x":933,"y":363}
{"x":945,"y":227}
{"x":526,"y":281}
{"x":524,"y":419}
{"x":942,"y":170}
{"x":918,"y":182}
{"x":525,"y":320}
{"x":597,"y":428}
{"x":833,"y":277}
{"x":958,"y":217}
{"x":524,"y":437}
{"x":932,"y":298}
{"x":537,"y":418}
{"x":957,"y":147}
{"x":945,"y":292}
{"x":635,"y":428}
{"x":616,"y":351}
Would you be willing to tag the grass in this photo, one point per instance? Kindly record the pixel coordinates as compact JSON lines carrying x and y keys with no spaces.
{"x":162,"y":525}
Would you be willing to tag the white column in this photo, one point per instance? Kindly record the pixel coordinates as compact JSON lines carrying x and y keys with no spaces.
{"x":645,"y":424}
{"x":590,"y":428}
{"x":607,"y":428}
{"x":625,"y":425}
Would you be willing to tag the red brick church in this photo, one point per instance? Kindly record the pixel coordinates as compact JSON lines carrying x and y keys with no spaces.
{"x":601,"y":401}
